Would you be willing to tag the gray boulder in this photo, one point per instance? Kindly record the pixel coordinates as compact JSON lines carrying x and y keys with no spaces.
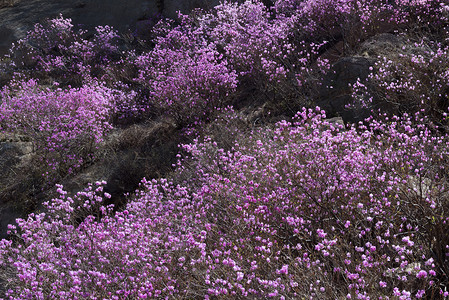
{"x":336,"y":91}
{"x":381,"y":45}
{"x":17,"y":20}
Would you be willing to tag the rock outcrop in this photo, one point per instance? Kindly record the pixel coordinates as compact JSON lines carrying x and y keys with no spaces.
{"x":336,"y":91}
{"x":12,"y":153}
{"x":381,"y":45}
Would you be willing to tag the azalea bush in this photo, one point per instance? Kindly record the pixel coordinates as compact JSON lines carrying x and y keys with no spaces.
{"x":306,"y":209}
{"x":414,"y":78}
{"x":186,"y":76}
{"x":359,"y":19}
{"x":264,"y":50}
{"x":55,"y":50}
{"x":310,"y":209}
{"x":303,"y":208}
{"x":64,"y":126}
{"x":253,"y":43}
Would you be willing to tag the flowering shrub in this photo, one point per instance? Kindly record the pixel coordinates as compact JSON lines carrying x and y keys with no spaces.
{"x":64,"y":125}
{"x":57,"y":51}
{"x":303,"y":208}
{"x":262,"y":48}
{"x":353,"y":21}
{"x":312,"y":209}
{"x":414,"y":78}
{"x":137,"y":253}
{"x":252,"y":43}
{"x":307,"y":209}
{"x":185,"y":75}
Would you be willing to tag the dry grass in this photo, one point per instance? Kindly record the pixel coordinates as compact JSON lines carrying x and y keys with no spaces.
{"x":8,"y":3}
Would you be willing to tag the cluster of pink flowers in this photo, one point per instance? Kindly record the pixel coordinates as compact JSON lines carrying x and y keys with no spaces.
{"x":301,"y":209}
{"x":414,"y":78}
{"x":326,"y":17}
{"x":64,"y":125}
{"x":55,"y":50}
{"x":186,"y":76}
{"x":308,"y":208}
{"x":253,"y":43}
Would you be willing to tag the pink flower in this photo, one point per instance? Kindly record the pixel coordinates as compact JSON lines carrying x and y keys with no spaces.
{"x":421,"y":274}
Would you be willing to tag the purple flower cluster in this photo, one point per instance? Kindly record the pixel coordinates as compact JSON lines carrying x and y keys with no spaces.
{"x":57,"y":51}
{"x":252,"y":42}
{"x":415,"y":77}
{"x":358,"y":17}
{"x":137,"y":253}
{"x":64,"y":125}
{"x":186,"y":76}
{"x":305,"y":209}
{"x":301,"y":209}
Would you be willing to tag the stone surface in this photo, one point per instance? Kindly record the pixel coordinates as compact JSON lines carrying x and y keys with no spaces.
{"x":335,"y":92}
{"x":170,"y":7}
{"x":11,"y":155}
{"x":122,"y":15}
{"x":336,"y":121}
{"x":381,"y":45}
{"x":7,"y":37}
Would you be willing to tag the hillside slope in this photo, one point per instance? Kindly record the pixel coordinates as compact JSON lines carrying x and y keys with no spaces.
{"x":284,"y":149}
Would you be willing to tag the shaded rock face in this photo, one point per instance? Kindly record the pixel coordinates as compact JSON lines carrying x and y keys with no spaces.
{"x":336,"y":92}
{"x":146,"y":150}
{"x":122,"y":15}
{"x":170,"y":7}
{"x":128,"y":155}
{"x":7,"y":37}
{"x":381,"y":45}
{"x":11,"y":154}
{"x":17,"y":20}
